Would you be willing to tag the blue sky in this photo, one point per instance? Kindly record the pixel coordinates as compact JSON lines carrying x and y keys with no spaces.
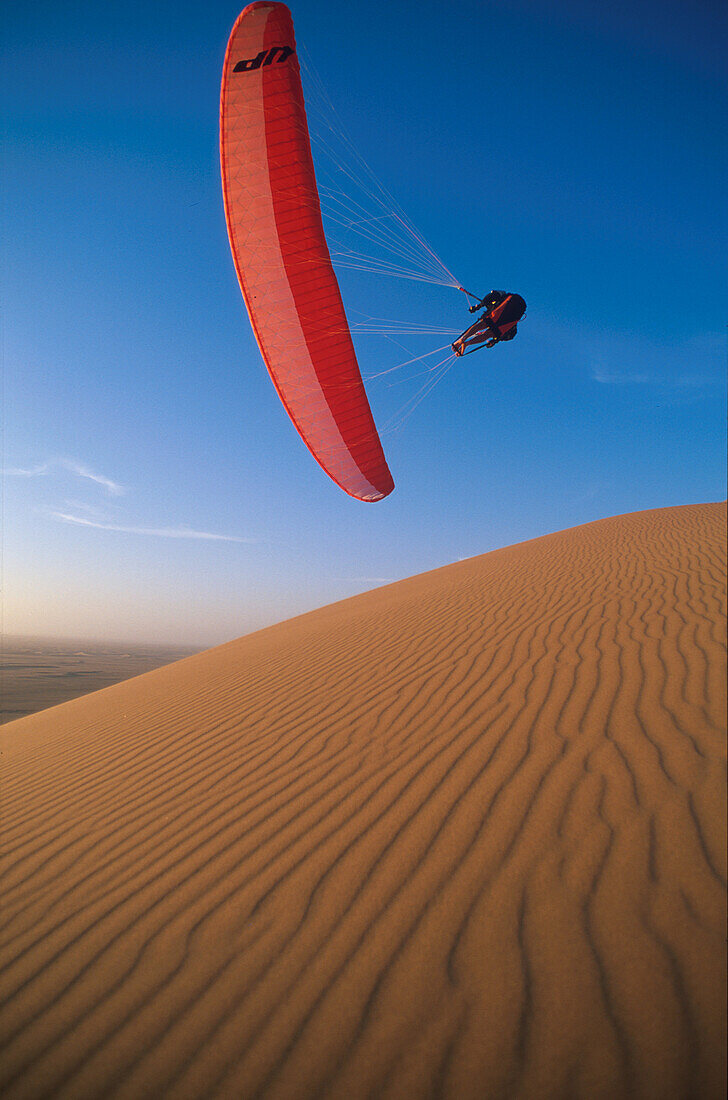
{"x":575,"y":153}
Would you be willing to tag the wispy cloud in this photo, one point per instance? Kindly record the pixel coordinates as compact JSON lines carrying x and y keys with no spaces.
{"x":157,"y":532}
{"x":679,"y":382}
{"x":80,"y":470}
{"x":685,"y":367}
{"x":32,"y":471}
{"x":91,"y":511}
{"x":73,"y":467}
{"x":610,"y":378}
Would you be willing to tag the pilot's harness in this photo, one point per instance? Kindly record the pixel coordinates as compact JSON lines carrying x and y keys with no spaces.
{"x":495,"y":332}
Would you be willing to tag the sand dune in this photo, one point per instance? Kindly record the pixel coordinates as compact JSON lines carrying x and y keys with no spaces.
{"x":459,"y":837}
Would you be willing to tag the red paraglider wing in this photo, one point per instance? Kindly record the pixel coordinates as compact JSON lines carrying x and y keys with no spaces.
{"x":281,"y":256}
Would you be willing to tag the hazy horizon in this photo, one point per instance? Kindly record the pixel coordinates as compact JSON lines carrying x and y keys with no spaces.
{"x":155,"y":492}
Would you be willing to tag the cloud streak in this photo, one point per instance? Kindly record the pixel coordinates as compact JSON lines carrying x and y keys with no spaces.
{"x":73,"y":467}
{"x":157,"y":532}
{"x":610,"y":379}
{"x":684,"y":367}
{"x":83,"y":471}
{"x":33,"y":471}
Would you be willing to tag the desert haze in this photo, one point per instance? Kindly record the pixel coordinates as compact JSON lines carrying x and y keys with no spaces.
{"x":36,"y":673}
{"x":462,"y":837}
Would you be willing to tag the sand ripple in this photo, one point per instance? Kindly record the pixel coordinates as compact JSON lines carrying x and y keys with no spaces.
{"x":459,"y":837}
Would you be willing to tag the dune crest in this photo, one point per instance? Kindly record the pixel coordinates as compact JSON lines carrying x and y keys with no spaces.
{"x":462,"y":836}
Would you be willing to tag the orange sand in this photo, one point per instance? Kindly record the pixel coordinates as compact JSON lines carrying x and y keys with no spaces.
{"x":459,"y":837}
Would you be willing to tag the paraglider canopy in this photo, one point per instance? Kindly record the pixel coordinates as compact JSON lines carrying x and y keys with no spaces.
{"x":276,"y":234}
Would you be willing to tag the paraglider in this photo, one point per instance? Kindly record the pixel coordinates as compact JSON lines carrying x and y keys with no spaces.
{"x":503,"y":311}
{"x":273,"y":211}
{"x":274,"y":223}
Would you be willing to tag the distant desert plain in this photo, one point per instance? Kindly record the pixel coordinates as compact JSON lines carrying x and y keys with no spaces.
{"x":462,"y":836}
{"x":36,"y":673}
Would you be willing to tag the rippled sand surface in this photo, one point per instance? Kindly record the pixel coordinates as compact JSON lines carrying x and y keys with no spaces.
{"x":463,"y":836}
